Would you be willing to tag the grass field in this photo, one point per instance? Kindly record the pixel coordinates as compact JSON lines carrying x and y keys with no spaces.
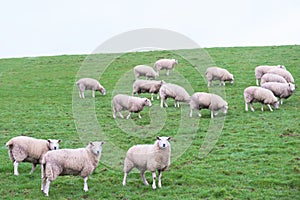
{"x":242,"y":155}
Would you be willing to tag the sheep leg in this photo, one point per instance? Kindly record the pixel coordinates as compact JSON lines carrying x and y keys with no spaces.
{"x":246,"y":106}
{"x":154,"y":179}
{"x":47,"y":186}
{"x":251,"y":107}
{"x":81,"y":94}
{"x":144,"y":179}
{"x":128,"y":116}
{"x":211,"y":114}
{"x":139,"y":115}
{"x":167,"y":73}
{"x":16,"y":172}
{"x":159,"y":178}
{"x":93,"y":93}
{"x":163,"y":102}
{"x":85,"y":185}
{"x":270,"y":107}
{"x":124,"y":179}
{"x":32,"y":168}
{"x":191,"y":112}
{"x":257,"y":82}
{"x":157,"y":96}
{"x":120,"y":114}
{"x":42,"y":177}
{"x":151,"y":96}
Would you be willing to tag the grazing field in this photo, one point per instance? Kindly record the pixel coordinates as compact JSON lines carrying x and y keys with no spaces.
{"x":243,"y":155}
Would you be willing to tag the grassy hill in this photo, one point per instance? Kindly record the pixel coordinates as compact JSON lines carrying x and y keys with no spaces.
{"x":242,"y":155}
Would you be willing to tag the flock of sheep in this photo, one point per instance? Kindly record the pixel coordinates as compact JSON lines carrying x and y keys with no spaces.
{"x":276,"y":81}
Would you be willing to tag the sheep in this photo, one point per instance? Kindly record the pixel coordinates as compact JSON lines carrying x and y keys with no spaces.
{"x":132,"y":104}
{"x":268,"y":77}
{"x":144,"y":70}
{"x":213,"y":102}
{"x":263,"y":69}
{"x":262,"y":95}
{"x":146,"y":86}
{"x":284,"y":73}
{"x":89,"y":84}
{"x":149,"y":157}
{"x":81,"y":161}
{"x":280,"y":90}
{"x":176,"y":92}
{"x":28,"y":149}
{"x":217,"y":73}
{"x":166,"y":64}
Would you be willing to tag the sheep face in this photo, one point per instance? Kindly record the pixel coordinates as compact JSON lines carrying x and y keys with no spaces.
{"x":95,"y":147}
{"x":225,"y":109}
{"x":147,"y":102}
{"x":292,"y":87}
{"x":53,"y":144}
{"x":163,"y":142}
{"x":102,"y":91}
{"x":276,"y":105}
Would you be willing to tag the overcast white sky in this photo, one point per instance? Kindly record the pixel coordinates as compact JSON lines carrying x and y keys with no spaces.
{"x":54,"y":27}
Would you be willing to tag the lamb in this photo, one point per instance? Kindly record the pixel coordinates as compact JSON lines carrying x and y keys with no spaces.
{"x":81,"y":161}
{"x":284,"y":73}
{"x":28,"y":149}
{"x":268,"y":77}
{"x":262,"y":95}
{"x":217,"y":73}
{"x":166,"y":64}
{"x":132,"y":104}
{"x":144,"y":70}
{"x":263,"y":69}
{"x":176,"y":92}
{"x":89,"y":84}
{"x":146,"y":86}
{"x":213,"y":102}
{"x":280,"y":90}
{"x":149,"y":157}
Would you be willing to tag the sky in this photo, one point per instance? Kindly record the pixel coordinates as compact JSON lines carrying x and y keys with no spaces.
{"x":55,"y":27}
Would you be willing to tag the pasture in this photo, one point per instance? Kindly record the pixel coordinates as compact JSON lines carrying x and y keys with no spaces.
{"x":243,"y":155}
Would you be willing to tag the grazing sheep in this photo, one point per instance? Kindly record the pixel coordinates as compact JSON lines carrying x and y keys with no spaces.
{"x":166,"y":64}
{"x":217,"y":73}
{"x":28,"y":149}
{"x":284,"y":73}
{"x":280,"y":90}
{"x":176,"y":92}
{"x":262,"y":95}
{"x":89,"y":84}
{"x":146,"y":86}
{"x":82,"y":162}
{"x":268,"y":77}
{"x":149,"y":157}
{"x":213,"y":102}
{"x":263,"y":69}
{"x":132,"y":104}
{"x":144,"y":70}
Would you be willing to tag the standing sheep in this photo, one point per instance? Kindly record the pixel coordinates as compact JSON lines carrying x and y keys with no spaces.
{"x":262,"y":95}
{"x":217,"y":73}
{"x":213,"y":102}
{"x":28,"y":149}
{"x":284,"y":73}
{"x":166,"y":64}
{"x":263,"y":69}
{"x":144,"y":70}
{"x":268,"y":77}
{"x":176,"y":92}
{"x":89,"y":84}
{"x":132,"y":104}
{"x":82,"y":162}
{"x":149,"y":157}
{"x":280,"y":90}
{"x":146,"y":86}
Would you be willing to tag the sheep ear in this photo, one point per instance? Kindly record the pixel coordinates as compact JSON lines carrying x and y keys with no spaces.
{"x":59,"y":141}
{"x":169,"y":138}
{"x":102,"y":142}
{"x":49,"y":141}
{"x":91,"y":143}
{"x":157,"y":137}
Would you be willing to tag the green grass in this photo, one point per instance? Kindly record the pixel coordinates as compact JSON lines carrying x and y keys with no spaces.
{"x":256,"y":155}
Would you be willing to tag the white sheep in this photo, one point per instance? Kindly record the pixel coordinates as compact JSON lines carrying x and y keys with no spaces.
{"x":144,"y":70}
{"x":81,"y":161}
{"x":166,"y":64}
{"x":280,"y":90}
{"x":268,"y":77}
{"x":176,"y":92}
{"x":89,"y":84}
{"x":203,"y":100}
{"x":284,"y":73}
{"x":263,"y":69}
{"x":217,"y":73}
{"x":28,"y":149}
{"x":149,"y":158}
{"x":146,"y":86}
{"x":132,"y":104}
{"x":262,"y":95}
